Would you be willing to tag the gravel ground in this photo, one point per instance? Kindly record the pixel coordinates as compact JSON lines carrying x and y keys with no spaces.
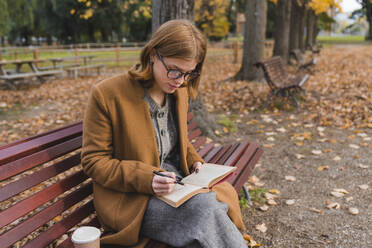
{"x":344,"y":163}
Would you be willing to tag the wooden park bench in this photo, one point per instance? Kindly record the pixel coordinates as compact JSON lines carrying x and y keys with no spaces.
{"x":315,"y":49}
{"x":278,"y":80}
{"x":10,"y":79}
{"x":303,"y":64}
{"x":41,"y":177}
{"x":74,"y":71}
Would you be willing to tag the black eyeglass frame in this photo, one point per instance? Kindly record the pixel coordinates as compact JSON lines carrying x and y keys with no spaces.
{"x":192,"y":75}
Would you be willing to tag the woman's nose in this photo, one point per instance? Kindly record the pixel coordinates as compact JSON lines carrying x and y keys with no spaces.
{"x":180,"y":80}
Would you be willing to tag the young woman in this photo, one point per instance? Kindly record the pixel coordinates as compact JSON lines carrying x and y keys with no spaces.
{"x":136,"y":123}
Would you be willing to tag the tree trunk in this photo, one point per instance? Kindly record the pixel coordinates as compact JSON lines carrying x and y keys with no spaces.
{"x":369,"y":18}
{"x":310,"y":28}
{"x":254,"y":39}
{"x":294,"y":38}
{"x":315,"y":29}
{"x":165,"y":10}
{"x":301,"y":33}
{"x":282,"y":25}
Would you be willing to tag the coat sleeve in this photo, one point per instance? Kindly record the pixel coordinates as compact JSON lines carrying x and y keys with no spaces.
{"x":97,"y":153}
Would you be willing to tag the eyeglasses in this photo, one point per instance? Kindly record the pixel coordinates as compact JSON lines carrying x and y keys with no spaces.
{"x":176,"y":74}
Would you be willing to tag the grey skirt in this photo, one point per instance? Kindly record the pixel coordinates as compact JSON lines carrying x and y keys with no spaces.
{"x":202,"y":221}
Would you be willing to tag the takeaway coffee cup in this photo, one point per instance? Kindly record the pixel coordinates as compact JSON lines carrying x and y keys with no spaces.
{"x":86,"y":237}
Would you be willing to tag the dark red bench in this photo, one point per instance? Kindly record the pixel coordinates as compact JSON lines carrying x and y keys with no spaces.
{"x":41,"y":178}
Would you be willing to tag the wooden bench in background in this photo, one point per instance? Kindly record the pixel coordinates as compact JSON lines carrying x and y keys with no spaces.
{"x":75,"y":71}
{"x":302,"y":63}
{"x":278,"y":80}
{"x":45,"y":195}
{"x":10,"y":79}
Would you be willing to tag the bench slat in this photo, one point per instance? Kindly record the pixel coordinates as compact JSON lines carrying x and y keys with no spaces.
{"x":15,"y":167}
{"x":40,"y":135}
{"x":199,"y":142}
{"x":62,"y":227}
{"x":231,"y":161}
{"x":190,"y":116}
{"x":12,"y":213}
{"x":227,"y":154}
{"x":242,"y":163}
{"x":31,"y":224}
{"x":212,"y":153}
{"x":248,"y":170}
{"x":23,"y":149}
{"x":29,"y":181}
{"x":220,"y":153}
{"x":192,"y":126}
{"x":206,"y":149}
{"x":195,"y":133}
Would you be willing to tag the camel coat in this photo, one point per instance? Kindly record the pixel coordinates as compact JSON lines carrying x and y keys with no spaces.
{"x":120,"y":152}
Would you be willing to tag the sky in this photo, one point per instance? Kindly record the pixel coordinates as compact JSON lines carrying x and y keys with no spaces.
{"x":349,"y":5}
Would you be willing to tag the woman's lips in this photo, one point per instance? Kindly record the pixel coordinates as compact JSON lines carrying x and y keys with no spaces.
{"x":173,"y":87}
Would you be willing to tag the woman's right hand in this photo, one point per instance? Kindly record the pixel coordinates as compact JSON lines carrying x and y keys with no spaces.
{"x":164,"y":185}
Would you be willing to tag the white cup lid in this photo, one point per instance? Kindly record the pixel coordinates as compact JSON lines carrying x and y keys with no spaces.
{"x":85,"y":234}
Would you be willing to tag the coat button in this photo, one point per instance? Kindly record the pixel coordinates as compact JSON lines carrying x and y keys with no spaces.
{"x":161,"y":115}
{"x":162,"y":132}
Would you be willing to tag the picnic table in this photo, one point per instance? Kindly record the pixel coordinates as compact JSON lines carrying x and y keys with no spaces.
{"x":86,"y":66}
{"x":10,"y":78}
{"x":87,"y":59}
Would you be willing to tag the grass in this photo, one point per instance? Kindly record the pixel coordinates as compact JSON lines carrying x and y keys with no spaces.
{"x":227,"y":122}
{"x":346,"y":39}
{"x":258,"y":195}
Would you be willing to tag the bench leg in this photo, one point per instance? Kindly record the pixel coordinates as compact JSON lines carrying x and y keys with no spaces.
{"x":75,"y":74}
{"x":246,"y":195}
{"x":268,"y":99}
{"x":295,"y":100}
{"x":10,"y":84}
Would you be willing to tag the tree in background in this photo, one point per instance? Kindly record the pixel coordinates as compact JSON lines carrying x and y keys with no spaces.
{"x":254,"y":39}
{"x":297,"y":26}
{"x":21,"y":21}
{"x":367,"y":10}
{"x":137,"y":20}
{"x":282,"y":28}
{"x":4,"y":20}
{"x":211,"y":18}
{"x":165,"y":10}
{"x":317,"y":7}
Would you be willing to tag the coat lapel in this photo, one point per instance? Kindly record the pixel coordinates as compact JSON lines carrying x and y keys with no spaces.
{"x":181,"y":96}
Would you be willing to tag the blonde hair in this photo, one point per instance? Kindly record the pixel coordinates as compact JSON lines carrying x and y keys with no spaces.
{"x":176,"y":39}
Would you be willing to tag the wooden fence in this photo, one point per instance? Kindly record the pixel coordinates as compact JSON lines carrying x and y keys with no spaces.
{"x":116,"y":54}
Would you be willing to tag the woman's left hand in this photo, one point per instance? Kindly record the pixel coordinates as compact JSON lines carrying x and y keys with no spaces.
{"x":196,"y":167}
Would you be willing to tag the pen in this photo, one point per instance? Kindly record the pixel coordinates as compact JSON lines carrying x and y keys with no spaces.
{"x":163,"y":175}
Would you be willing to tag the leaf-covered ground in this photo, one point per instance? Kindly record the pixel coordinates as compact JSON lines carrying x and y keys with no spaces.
{"x":316,"y":168}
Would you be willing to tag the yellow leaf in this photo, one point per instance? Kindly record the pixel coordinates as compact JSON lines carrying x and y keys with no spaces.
{"x":322,"y":167}
{"x":274,"y":191}
{"x":268,"y":146}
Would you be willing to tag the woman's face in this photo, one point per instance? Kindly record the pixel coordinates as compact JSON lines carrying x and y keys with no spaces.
{"x":163,"y":65}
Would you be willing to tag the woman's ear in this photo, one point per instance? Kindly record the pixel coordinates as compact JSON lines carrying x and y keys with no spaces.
{"x":152,"y":55}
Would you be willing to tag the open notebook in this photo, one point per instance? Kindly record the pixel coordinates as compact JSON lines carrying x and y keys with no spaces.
{"x":196,"y":183}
